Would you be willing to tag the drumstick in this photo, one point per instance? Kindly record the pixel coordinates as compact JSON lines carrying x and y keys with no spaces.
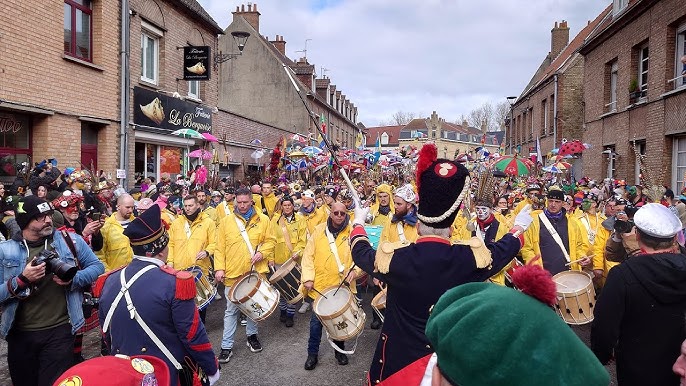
{"x":343,"y":281}
{"x":313,"y":289}
{"x":252,"y":266}
{"x":576,"y":261}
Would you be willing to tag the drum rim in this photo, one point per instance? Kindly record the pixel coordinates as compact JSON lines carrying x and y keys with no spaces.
{"x":375,"y":302}
{"x":577,"y":291}
{"x":282,"y":271}
{"x":351,"y":335}
{"x":244,"y":299}
{"x":337,"y":313}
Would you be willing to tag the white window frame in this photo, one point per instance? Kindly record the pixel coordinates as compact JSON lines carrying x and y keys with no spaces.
{"x":614,"y":77}
{"x":677,"y":177}
{"x":618,"y":6}
{"x":641,"y":147}
{"x":643,"y":67}
{"x":384,"y":138}
{"x":679,"y":81}
{"x":155,"y":34}
{"x":194,"y":89}
{"x":611,"y":158}
{"x":544,"y":107}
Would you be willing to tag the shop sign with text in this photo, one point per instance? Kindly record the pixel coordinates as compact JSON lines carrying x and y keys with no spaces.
{"x":163,"y":111}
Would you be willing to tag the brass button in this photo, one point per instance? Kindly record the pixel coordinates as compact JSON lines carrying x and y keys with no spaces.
{"x":383,"y":338}
{"x":144,"y":349}
{"x":377,"y":382}
{"x":380,"y":360}
{"x":428,"y":346}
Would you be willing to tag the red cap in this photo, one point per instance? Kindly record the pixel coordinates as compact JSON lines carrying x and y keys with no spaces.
{"x":117,"y":370}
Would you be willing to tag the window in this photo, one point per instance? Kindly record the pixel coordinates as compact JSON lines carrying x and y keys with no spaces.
{"x":680,"y":67}
{"x":611,"y":86}
{"x":678,"y":163}
{"x":618,"y":6}
{"x":194,"y":89}
{"x":643,"y":70}
{"x":641,"y":148}
{"x":15,"y":144}
{"x":150,"y":52}
{"x":544,"y":117}
{"x":384,"y":138}
{"x":78,"y":29}
{"x":611,"y":155}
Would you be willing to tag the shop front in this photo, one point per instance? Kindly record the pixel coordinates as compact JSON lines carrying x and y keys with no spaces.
{"x":156,"y":150}
{"x":15,"y":143}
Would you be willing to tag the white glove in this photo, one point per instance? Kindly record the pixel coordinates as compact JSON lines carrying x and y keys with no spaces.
{"x":524,"y":218}
{"x":360,"y":214}
{"x":214,"y":378}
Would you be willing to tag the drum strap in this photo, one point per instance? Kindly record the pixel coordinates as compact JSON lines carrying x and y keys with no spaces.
{"x":334,"y":250}
{"x":587,"y":225}
{"x":554,"y":233}
{"x":244,"y":233}
{"x":227,"y":210}
{"x":286,"y":235}
{"x":401,"y":231}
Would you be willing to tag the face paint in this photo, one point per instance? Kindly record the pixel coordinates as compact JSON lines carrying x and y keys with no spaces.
{"x":483,"y":212}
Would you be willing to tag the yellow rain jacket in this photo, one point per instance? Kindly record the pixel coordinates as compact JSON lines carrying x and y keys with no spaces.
{"x":577,"y":241}
{"x":223,"y":209}
{"x":381,"y":219}
{"x":116,"y":249}
{"x":168,"y":216}
{"x":270,"y":202}
{"x":297,"y":235}
{"x":232,"y":254}
{"x":594,"y":224}
{"x":211,"y":213}
{"x":319,"y":263}
{"x":186,"y":240}
{"x":599,"y":260}
{"x":315,"y":218}
{"x":390,"y":233}
{"x":505,"y":220}
{"x":459,"y":228}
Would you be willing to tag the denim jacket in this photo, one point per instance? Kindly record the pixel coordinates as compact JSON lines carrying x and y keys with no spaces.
{"x":13,"y":259}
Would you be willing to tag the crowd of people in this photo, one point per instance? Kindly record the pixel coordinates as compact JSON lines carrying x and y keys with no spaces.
{"x":77,"y":246}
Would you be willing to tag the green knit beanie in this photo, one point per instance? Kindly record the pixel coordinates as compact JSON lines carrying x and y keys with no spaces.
{"x":486,"y":334}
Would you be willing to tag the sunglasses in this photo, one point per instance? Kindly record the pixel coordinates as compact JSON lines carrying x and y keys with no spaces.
{"x":339,"y":213}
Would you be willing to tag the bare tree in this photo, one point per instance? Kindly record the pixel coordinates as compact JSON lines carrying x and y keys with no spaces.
{"x":403,"y":118}
{"x":501,"y":114}
{"x":482,"y":114}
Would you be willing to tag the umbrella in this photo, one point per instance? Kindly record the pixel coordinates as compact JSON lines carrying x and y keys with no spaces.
{"x":297,"y":154}
{"x":257,"y":154}
{"x":255,"y":142}
{"x":572,"y":147}
{"x":210,"y":137}
{"x":291,"y":168}
{"x":188,"y":133}
{"x":562,"y":165}
{"x":512,"y":165}
{"x":200,"y":153}
{"x":464,"y":157}
{"x":311,"y":150}
{"x":320,"y":167}
{"x":552,"y":169}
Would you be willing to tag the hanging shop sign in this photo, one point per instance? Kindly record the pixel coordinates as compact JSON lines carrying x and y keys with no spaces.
{"x":155,"y":109}
{"x":196,"y":62}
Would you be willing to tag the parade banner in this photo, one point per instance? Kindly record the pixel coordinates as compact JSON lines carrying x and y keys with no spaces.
{"x":155,"y":109}
{"x":196,"y":62}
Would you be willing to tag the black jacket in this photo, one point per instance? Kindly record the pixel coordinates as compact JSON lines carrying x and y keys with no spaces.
{"x":640,"y":315}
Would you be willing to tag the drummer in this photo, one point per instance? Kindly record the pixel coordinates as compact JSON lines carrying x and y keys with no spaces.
{"x":290,"y":231}
{"x":192,"y":240}
{"x":310,"y":212}
{"x":327,"y":262}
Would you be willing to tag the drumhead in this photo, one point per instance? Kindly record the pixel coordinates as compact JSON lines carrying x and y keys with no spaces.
{"x":328,"y":304}
{"x":571,"y":281}
{"x":283,"y":270}
{"x":246,"y":286}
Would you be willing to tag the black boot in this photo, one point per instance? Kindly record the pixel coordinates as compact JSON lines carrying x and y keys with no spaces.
{"x":282,"y":316}
{"x":311,"y":362}
{"x":289,"y":320}
{"x":340,"y":357}
{"x":376,"y":322}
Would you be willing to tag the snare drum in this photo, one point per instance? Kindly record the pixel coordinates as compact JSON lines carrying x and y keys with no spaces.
{"x":205,"y":291}
{"x":340,"y":314}
{"x":286,"y":280}
{"x":254,"y":296}
{"x":374,"y":234}
{"x":379,"y":303}
{"x":575,"y":297}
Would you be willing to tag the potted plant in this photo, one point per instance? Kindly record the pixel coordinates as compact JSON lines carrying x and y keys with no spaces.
{"x":634,"y":91}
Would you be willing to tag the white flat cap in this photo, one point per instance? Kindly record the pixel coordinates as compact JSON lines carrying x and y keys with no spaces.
{"x":657,"y":220}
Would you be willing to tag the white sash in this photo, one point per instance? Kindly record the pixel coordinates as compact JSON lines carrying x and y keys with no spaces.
{"x":587,"y":225}
{"x":480,"y":234}
{"x":334,"y":250}
{"x":401,"y":231}
{"x":227,"y":210}
{"x":244,"y":233}
{"x":554,"y":233}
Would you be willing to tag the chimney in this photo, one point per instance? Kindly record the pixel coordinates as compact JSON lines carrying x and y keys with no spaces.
{"x":280,"y":44}
{"x":250,"y":15}
{"x":465,"y":126}
{"x":559,"y":38}
{"x":484,"y":128}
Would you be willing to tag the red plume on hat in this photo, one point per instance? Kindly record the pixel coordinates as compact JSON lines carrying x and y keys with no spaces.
{"x":427,"y":156}
{"x":536,"y":282}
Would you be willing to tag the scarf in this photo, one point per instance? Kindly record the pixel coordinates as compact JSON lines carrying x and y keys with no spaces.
{"x":336,"y":230}
{"x":248,"y":215}
{"x":485,"y":223}
{"x":192,"y":217}
{"x":410,"y":218}
{"x":290,"y":218}
{"x":308,"y":211}
{"x":40,"y":242}
{"x":554,"y":216}
{"x":384,"y":210}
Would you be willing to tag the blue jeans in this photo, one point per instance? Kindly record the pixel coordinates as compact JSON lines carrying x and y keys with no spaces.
{"x":231,"y":321}
{"x":316,"y":336}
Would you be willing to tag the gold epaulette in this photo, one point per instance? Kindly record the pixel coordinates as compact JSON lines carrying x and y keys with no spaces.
{"x":384,"y":254}
{"x":482,"y":255}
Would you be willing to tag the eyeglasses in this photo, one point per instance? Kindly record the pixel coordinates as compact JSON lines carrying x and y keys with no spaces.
{"x":339,"y":213}
{"x":43,"y":216}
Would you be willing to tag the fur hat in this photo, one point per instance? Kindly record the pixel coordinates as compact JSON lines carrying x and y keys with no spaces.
{"x":442,"y":185}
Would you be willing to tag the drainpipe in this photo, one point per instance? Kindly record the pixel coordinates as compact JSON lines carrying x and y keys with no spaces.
{"x":124,"y":92}
{"x":555,"y":115}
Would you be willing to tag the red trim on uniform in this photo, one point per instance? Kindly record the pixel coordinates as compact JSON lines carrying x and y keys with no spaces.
{"x":520,"y":237}
{"x":194,"y":326}
{"x":358,"y":231}
{"x":411,"y":374}
{"x":201,"y":347}
{"x":433,"y":239}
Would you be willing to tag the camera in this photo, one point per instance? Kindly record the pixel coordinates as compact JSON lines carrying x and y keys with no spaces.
{"x":623,"y":226}
{"x":65,"y":271}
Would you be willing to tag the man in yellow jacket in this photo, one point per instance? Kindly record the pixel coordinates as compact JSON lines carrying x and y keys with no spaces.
{"x":244,"y":242}
{"x":192,"y":240}
{"x":225,"y":208}
{"x":403,"y":224}
{"x":309,"y":211}
{"x":542,"y":247}
{"x":382,"y":209}
{"x":290,"y":232}
{"x":202,"y":196}
{"x":267,"y":201}
{"x":116,"y":249}
{"x":327,"y":262}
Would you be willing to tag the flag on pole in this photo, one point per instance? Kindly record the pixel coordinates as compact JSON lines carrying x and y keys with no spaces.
{"x":320,"y":141}
{"x":358,"y":141}
{"x":322,"y":122}
{"x":377,"y":150}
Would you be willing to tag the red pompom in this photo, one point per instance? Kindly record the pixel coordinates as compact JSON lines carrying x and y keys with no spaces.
{"x":427,"y":155}
{"x":536,"y":282}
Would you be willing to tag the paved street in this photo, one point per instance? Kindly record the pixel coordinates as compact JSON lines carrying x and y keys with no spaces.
{"x":281,"y":362}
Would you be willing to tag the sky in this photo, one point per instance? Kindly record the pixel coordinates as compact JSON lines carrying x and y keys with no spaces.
{"x":418,"y":56}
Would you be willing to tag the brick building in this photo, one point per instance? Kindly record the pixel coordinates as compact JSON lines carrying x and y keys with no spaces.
{"x":59,"y":98}
{"x":255,"y":89}
{"x":634,"y":91}
{"x":551,"y":106}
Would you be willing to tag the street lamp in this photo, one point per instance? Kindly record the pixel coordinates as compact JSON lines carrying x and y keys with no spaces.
{"x":508,"y":134}
{"x":240,"y":38}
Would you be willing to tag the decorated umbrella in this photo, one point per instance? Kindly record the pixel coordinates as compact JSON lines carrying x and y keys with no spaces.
{"x":571,"y":147}
{"x":209,"y":137}
{"x":255,"y":142}
{"x":200,"y":153}
{"x":312,"y":151}
{"x":552,"y":169}
{"x":188,"y":133}
{"x":512,"y":165}
{"x":257,"y":154}
{"x":464,"y":157}
{"x":562,"y":165}
{"x":297,"y":154}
